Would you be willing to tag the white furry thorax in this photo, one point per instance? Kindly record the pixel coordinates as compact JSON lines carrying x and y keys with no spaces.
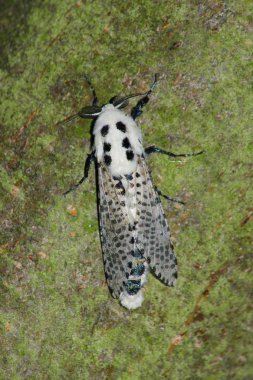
{"x":117,"y":141}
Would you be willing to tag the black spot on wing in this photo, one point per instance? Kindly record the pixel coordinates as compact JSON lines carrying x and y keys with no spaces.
{"x":121,"y":126}
{"x":115,"y":237}
{"x":119,"y":185}
{"x":104,"y":130}
{"x":153,"y":230}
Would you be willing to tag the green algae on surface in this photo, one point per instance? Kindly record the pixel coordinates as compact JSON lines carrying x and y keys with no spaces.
{"x":58,"y":320}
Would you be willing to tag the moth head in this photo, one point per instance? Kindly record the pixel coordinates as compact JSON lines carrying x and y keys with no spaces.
{"x":119,"y":102}
{"x":90,"y":112}
{"x":123,"y":101}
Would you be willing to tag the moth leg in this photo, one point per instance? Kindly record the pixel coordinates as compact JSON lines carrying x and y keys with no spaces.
{"x":153,"y":149}
{"x":172,"y":199}
{"x":91,"y":157}
{"x":95,"y":98}
{"x":137,"y":110}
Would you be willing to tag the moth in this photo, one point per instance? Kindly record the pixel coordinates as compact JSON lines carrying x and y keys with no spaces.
{"x":135,"y":237}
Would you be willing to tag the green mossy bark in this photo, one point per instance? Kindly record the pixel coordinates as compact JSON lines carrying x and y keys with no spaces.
{"x":57,"y":319}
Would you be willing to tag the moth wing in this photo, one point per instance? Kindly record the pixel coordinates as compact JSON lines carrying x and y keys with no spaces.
{"x":153,"y":230}
{"x":114,"y":234}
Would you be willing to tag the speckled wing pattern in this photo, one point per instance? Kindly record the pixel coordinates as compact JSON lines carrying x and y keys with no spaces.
{"x":114,"y":234}
{"x":126,"y":240}
{"x":153,"y":229}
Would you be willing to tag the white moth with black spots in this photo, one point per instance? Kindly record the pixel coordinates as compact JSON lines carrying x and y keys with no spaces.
{"x":134,"y":233}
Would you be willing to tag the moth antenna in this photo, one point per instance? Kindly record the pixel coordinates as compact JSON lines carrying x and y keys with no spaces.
{"x":95,"y":98}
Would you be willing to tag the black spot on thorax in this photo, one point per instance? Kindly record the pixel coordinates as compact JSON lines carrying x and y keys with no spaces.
{"x":121,"y":126}
{"x":125,"y":143}
{"x":107,"y":147}
{"x":104,"y":130}
{"x":130,"y":155}
{"x":107,"y":159}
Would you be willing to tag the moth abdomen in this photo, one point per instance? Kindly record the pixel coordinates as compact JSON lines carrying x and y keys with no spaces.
{"x":137,"y":270}
{"x":133,"y":287}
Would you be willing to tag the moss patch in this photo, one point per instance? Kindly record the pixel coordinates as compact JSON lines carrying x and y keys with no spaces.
{"x":58,"y":320}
